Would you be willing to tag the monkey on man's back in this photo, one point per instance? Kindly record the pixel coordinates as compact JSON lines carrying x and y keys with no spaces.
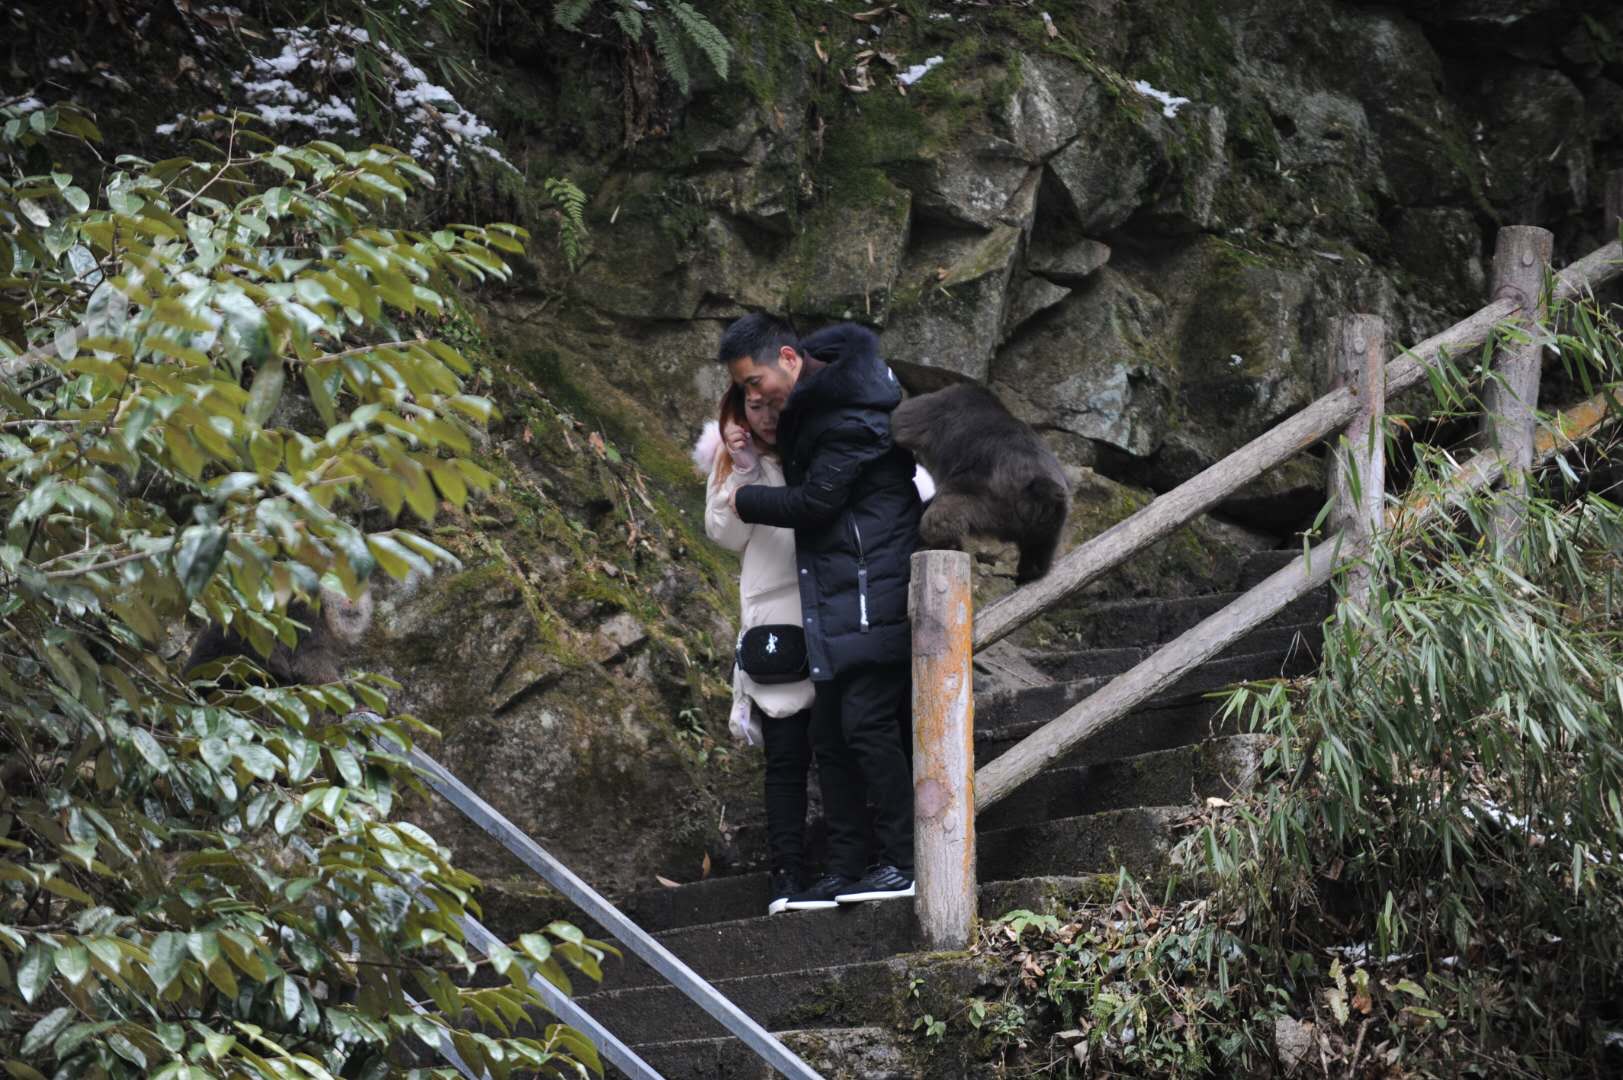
{"x":994,"y":476}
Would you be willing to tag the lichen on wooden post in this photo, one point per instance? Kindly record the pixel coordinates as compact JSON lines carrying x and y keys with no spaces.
{"x":941,"y":609}
{"x":1521,"y":263}
{"x":1358,"y":465}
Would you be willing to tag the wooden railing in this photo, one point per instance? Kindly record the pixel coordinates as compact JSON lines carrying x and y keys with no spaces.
{"x":948,"y":792}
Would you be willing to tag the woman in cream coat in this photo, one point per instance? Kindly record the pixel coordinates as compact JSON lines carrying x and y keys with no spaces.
{"x":740,"y":450}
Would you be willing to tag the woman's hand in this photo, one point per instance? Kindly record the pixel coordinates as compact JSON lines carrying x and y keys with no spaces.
{"x":741,"y":447}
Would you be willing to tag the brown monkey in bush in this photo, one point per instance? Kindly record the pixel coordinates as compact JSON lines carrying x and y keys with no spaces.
{"x":339,"y":624}
{"x":994,"y":476}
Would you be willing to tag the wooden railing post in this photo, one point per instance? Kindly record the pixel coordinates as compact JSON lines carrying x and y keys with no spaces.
{"x":1521,"y":262}
{"x":1358,"y":461}
{"x":942,"y":611}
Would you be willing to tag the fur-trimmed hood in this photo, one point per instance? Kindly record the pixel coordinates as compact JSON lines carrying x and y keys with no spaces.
{"x":706,"y":449}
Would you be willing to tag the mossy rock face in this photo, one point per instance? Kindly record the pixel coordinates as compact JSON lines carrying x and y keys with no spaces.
{"x":950,"y":306}
{"x":1092,"y":366}
{"x":847,"y":257}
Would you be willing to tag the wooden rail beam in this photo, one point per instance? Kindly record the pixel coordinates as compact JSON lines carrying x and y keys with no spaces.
{"x":1095,"y":557}
{"x":1521,"y":263}
{"x":941,"y":608}
{"x":1358,"y":466}
{"x":1116,"y":698}
{"x":1093,"y":714}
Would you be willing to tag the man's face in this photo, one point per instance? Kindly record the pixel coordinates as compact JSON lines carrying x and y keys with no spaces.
{"x":766,"y":384}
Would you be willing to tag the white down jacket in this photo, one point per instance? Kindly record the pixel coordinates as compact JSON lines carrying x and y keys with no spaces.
{"x":767,"y":592}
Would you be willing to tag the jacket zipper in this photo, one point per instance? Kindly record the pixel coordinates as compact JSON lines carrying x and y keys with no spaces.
{"x":862,"y":577}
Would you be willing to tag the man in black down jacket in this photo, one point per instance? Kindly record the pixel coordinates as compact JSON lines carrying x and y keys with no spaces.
{"x":850,"y":498}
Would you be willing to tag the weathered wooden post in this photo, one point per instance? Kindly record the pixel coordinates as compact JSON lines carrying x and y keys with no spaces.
{"x":943,"y":748}
{"x":1358,"y":464}
{"x":1614,"y":203}
{"x":1521,"y":262}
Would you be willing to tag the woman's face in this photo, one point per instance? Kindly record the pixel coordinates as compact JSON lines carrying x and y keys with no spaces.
{"x":763,"y":421}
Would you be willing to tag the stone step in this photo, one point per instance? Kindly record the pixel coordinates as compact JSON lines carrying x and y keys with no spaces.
{"x":1061,"y":666}
{"x":1136,"y":838}
{"x":1220,"y":767}
{"x":858,"y":1053}
{"x":1004,"y":709}
{"x":1260,"y":565}
{"x":1135,"y":623}
{"x":868,"y":994}
{"x":1142,"y":731}
{"x":756,"y":943}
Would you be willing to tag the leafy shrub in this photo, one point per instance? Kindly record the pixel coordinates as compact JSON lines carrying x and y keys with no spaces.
{"x":204,"y":879}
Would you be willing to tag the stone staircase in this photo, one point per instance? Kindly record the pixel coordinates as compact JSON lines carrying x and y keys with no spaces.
{"x":844,"y":987}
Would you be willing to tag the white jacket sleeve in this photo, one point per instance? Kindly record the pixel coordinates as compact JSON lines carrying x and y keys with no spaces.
{"x":720,"y":523}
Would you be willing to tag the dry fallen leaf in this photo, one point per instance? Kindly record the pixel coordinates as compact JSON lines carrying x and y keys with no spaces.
{"x":704,"y":867}
{"x":870,"y":16}
{"x":822,"y":55}
{"x":596,"y":442}
{"x":1214,"y":803}
{"x":665,"y":881}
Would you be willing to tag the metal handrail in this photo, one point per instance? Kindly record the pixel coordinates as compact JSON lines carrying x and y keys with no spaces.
{"x":737,"y":1022}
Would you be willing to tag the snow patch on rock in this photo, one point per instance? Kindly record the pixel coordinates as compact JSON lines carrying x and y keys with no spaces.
{"x":1170,"y":103}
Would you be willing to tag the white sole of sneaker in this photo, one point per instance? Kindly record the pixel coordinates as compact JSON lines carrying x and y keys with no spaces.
{"x":809,"y":905}
{"x":863,"y":897}
{"x":778,"y":906}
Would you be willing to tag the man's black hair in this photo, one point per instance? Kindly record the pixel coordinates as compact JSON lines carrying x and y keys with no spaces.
{"x":758,"y":336}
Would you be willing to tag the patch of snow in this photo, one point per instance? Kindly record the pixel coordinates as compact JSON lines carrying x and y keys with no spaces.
{"x":918,"y":71}
{"x":28,"y":105}
{"x":1235,"y":359}
{"x":62,"y":63}
{"x":278,"y":89}
{"x":1170,"y":103}
{"x":1614,"y":1040}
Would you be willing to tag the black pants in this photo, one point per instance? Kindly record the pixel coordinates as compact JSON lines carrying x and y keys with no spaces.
{"x":859,"y":722}
{"x":788,"y":761}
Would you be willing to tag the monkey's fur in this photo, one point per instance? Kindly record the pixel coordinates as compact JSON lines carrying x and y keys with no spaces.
{"x":339,"y":624}
{"x":994,"y":476}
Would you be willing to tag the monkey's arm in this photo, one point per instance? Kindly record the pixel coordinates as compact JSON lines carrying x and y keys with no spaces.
{"x":720,"y":523}
{"x":835,"y":462}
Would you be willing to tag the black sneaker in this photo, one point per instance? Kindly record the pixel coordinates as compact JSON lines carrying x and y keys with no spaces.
{"x":784,"y":885}
{"x":821,"y":895}
{"x":880,"y":883}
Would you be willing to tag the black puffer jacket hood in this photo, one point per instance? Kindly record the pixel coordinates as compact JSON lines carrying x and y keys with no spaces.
{"x":850,"y":499}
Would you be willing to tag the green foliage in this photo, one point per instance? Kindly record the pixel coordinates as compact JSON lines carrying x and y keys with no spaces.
{"x":1145,"y":986}
{"x":678,"y":30}
{"x":571,"y":202}
{"x":203,"y":879}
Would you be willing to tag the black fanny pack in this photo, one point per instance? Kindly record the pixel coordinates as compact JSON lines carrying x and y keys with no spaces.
{"x":773,"y":654}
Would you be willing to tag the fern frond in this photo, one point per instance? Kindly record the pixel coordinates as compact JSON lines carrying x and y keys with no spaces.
{"x":704,"y":34}
{"x":669,"y":46}
{"x":569,"y":13}
{"x":571,"y":202}
{"x":628,"y":18}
